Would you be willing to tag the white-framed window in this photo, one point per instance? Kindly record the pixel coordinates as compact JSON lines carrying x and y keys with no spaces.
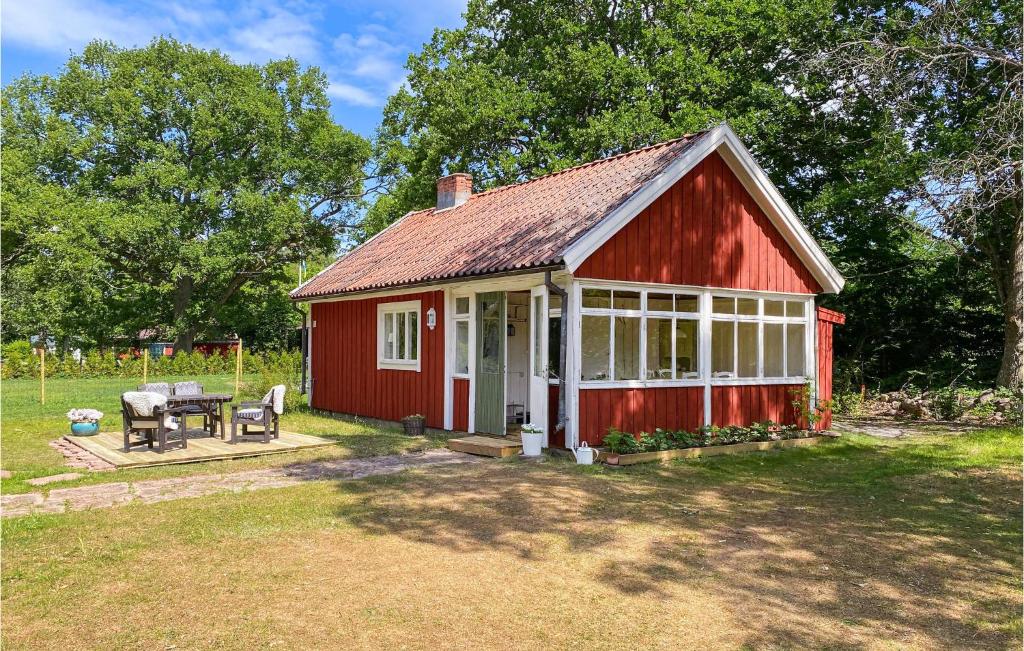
{"x":758,"y":338}
{"x":398,"y":335}
{"x":640,"y":335}
{"x":635,"y":335}
{"x":460,"y":317}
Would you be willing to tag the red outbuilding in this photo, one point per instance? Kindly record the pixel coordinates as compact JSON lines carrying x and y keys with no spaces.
{"x":671,"y":286}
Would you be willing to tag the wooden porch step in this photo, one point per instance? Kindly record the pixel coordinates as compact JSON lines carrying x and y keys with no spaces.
{"x":486,"y":446}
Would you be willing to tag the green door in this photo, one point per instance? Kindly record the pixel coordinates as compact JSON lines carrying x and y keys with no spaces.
{"x":490,"y":363}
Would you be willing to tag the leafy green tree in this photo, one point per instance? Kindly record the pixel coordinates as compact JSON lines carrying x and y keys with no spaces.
{"x":150,"y":186}
{"x":528,"y":88}
{"x":950,"y":73}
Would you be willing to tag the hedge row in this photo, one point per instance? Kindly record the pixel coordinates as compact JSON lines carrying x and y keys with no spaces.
{"x":19,"y":361}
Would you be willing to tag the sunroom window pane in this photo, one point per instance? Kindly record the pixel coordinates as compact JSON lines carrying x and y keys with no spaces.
{"x":795,"y":359}
{"x":746,"y":306}
{"x":627,"y":348}
{"x":554,"y":302}
{"x":659,"y":302}
{"x":774,"y":308}
{"x":538,"y":337}
{"x":601,"y":298}
{"x":721,"y":305}
{"x":659,"y":349}
{"x":622,"y":300}
{"x":462,"y":347}
{"x":554,"y":344}
{"x":722,"y":348}
{"x":687,"y":303}
{"x":794,"y":308}
{"x":686,"y":349}
{"x":773,"y":349}
{"x":414,"y":340}
{"x":746,"y":350}
{"x":595,"y":336}
{"x":462,"y":305}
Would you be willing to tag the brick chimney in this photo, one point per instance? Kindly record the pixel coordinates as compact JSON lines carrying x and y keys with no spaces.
{"x":453,"y":190}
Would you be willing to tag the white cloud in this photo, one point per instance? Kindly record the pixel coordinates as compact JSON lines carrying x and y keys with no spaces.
{"x":62,"y":25}
{"x":366,"y":62}
{"x":352,"y":94}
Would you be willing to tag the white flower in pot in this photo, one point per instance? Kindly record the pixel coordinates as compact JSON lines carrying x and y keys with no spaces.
{"x":533,"y":440}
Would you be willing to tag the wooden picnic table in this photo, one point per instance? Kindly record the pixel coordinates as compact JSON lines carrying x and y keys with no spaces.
{"x":211,"y":404}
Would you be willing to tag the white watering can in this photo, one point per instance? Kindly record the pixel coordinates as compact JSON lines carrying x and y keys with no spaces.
{"x":586,"y":455}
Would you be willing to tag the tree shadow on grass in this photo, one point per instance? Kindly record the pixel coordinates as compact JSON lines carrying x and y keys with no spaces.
{"x":881,"y":543}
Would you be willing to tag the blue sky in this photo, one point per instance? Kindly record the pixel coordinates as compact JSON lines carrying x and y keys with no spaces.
{"x":361,"y":46}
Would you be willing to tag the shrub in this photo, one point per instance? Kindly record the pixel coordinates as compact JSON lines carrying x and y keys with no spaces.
{"x":18,"y":360}
{"x":619,"y":442}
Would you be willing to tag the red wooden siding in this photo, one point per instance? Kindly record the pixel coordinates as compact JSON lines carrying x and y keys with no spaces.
{"x":826,"y":320}
{"x":639,"y":410}
{"x":753,"y":403}
{"x":460,"y":405}
{"x":705,"y":230}
{"x":344,"y":362}
{"x":555,"y":439}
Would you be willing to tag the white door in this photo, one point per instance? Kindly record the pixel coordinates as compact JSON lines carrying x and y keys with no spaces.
{"x":539,"y":359}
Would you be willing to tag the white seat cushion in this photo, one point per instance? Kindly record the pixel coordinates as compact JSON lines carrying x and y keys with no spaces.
{"x":253,"y":413}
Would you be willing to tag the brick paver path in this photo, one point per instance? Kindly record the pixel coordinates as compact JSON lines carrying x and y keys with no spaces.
{"x":160,"y":490}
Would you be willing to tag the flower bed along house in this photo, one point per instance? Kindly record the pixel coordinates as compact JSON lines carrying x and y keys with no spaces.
{"x":623,"y":448}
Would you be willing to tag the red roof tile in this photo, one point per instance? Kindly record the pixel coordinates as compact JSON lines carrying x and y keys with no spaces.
{"x":519,"y":226}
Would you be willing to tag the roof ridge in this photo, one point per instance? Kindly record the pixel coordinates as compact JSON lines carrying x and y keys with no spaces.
{"x":596,"y":161}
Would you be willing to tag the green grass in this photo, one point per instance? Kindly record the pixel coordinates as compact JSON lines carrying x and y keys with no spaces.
{"x":854,"y":543}
{"x":27,"y":427}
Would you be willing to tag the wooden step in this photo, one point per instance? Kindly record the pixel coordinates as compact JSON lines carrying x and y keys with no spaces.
{"x":486,"y":446}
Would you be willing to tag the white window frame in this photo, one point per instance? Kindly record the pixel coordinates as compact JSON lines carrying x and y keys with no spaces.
{"x":457,"y":319}
{"x":760,"y":319}
{"x":404,"y":308}
{"x":704,"y":317}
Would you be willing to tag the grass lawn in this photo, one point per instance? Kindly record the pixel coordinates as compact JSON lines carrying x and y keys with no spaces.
{"x":858,"y":543}
{"x":26,"y":428}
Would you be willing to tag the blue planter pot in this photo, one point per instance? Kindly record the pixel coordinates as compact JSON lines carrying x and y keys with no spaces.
{"x":84,"y":429}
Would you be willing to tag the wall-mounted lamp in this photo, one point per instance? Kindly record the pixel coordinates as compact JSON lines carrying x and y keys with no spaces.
{"x":431,"y":318}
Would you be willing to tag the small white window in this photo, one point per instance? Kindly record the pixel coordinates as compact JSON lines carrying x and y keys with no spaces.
{"x":398,"y":335}
{"x":461,"y":318}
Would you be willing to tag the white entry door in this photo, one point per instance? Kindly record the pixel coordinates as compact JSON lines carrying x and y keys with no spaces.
{"x":539,"y":359}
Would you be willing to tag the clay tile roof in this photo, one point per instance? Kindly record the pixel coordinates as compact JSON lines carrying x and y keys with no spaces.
{"x":514,"y":227}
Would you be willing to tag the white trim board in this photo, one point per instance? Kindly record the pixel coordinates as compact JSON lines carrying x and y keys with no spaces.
{"x":723,"y":140}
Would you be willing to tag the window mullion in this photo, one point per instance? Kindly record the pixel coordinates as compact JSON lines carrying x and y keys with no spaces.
{"x":611,"y":348}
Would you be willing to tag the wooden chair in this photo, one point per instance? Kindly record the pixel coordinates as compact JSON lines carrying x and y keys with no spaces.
{"x":153,"y":428}
{"x":262,"y":413}
{"x":162,"y":388}
{"x":193,"y":389}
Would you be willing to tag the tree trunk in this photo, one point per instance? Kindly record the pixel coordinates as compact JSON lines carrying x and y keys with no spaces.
{"x":183,"y":341}
{"x":1011,"y":373}
{"x":185,"y":333}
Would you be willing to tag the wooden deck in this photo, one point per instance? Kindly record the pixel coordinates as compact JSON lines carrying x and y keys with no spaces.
{"x":201,"y":447}
{"x":488,"y":446}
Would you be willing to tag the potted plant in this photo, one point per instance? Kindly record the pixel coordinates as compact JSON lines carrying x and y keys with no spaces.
{"x":533,"y":439}
{"x":84,"y":422}
{"x":414,"y":424}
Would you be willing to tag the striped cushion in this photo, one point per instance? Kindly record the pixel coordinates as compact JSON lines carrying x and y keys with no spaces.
{"x":252,"y":414}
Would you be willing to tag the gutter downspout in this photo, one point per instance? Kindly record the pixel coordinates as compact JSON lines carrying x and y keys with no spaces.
{"x":303,"y":345}
{"x":552,"y":287}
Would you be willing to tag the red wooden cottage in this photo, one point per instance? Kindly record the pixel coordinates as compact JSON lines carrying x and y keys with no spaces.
{"x":671,"y":286}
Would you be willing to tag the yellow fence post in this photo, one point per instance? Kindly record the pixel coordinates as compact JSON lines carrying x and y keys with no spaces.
{"x":238,"y":367}
{"x":42,"y":375}
{"x":145,"y":364}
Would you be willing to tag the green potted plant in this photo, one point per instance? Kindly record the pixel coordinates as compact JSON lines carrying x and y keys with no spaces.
{"x":414,"y":425}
